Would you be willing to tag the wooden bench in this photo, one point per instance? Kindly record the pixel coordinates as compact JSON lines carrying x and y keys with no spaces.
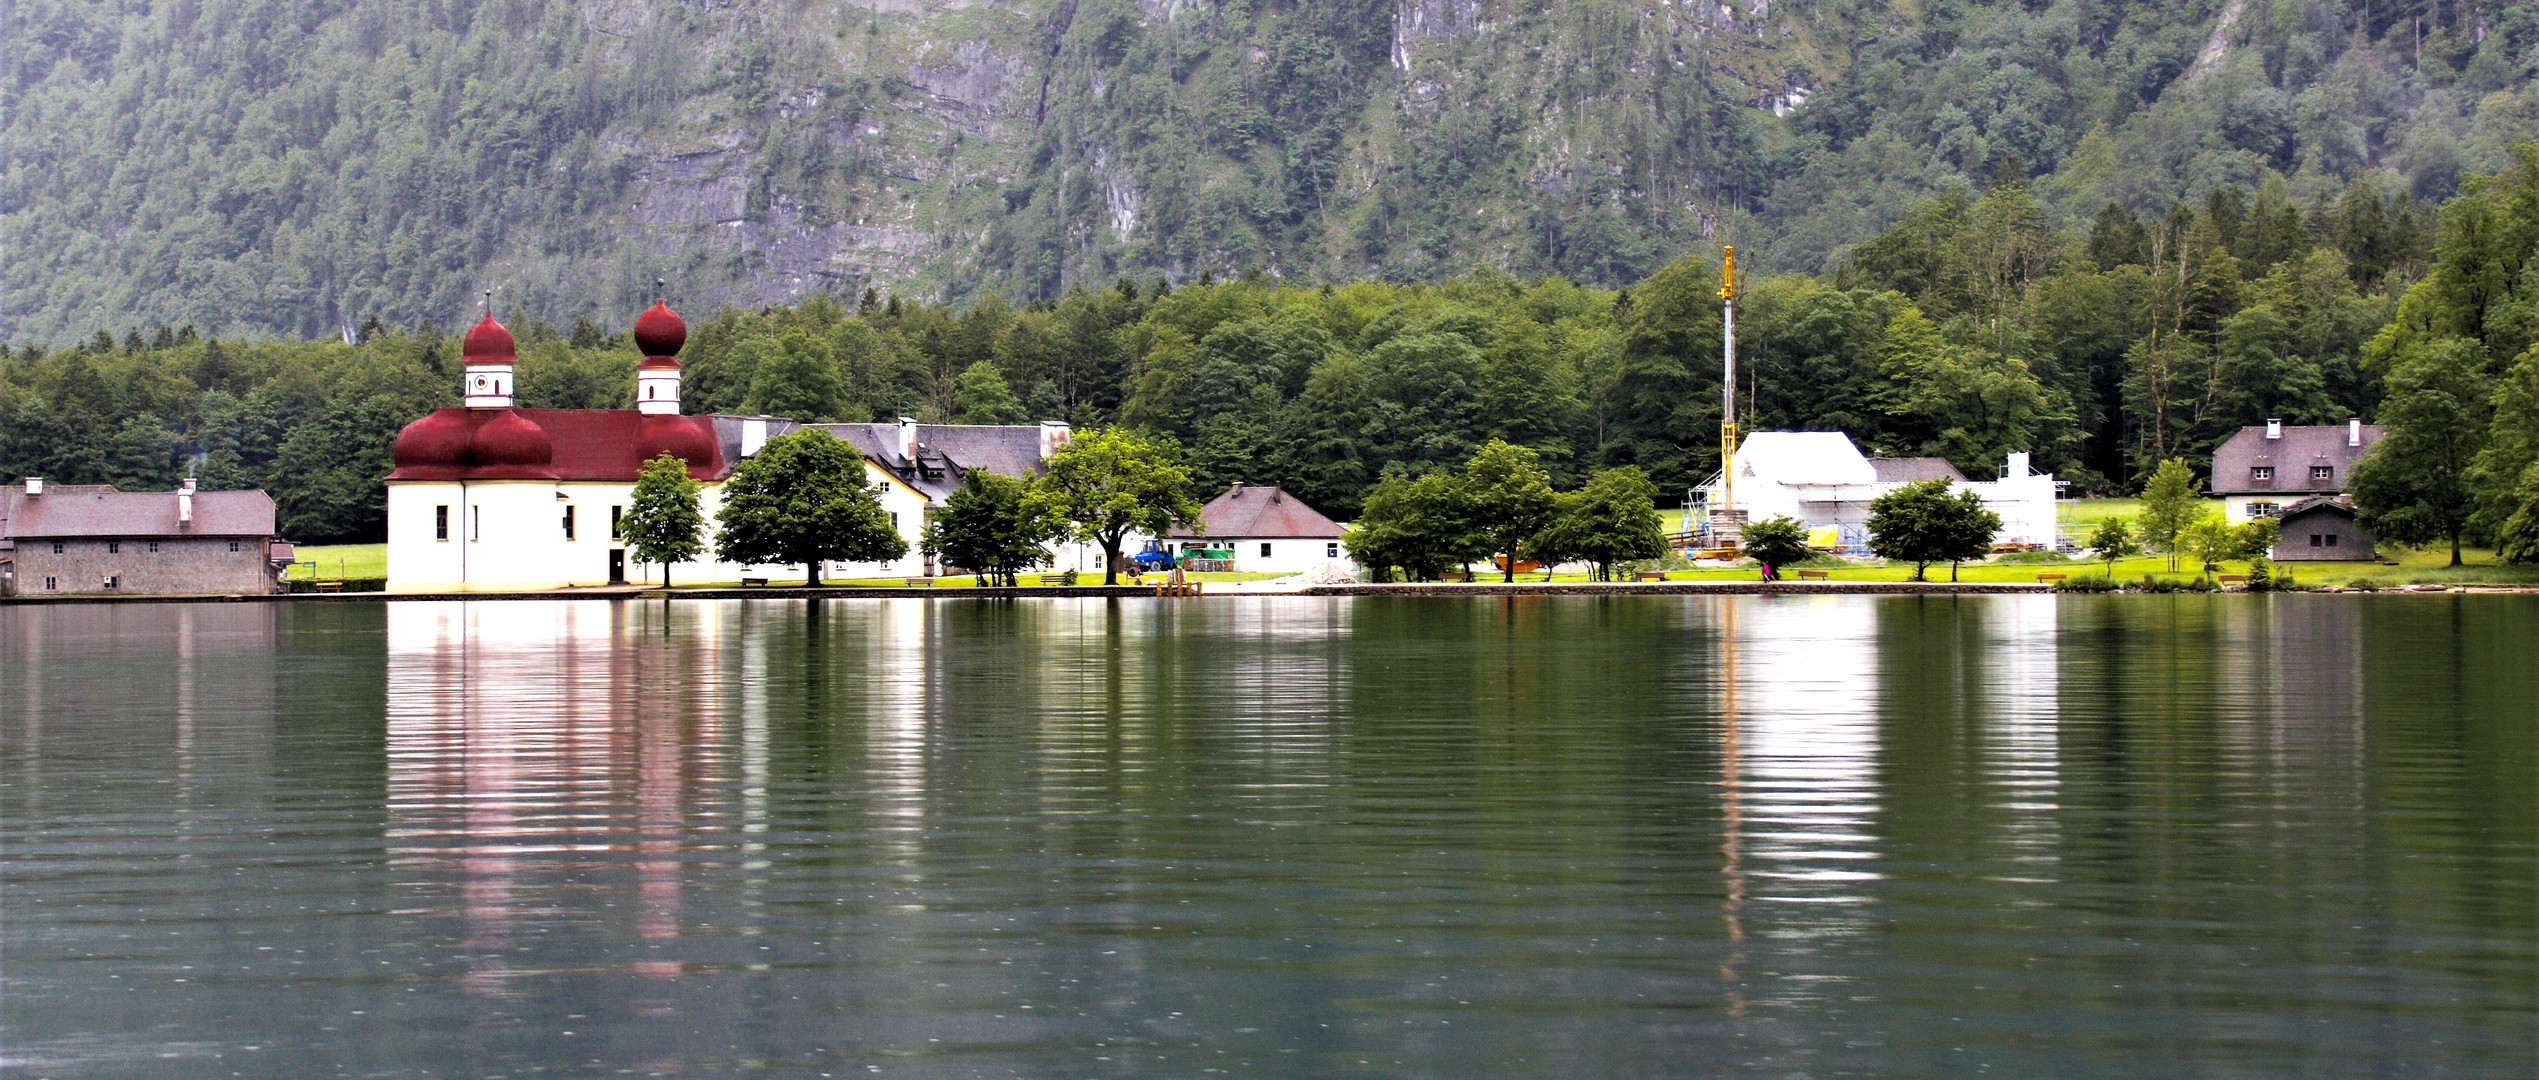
{"x":918,"y":582}
{"x":1811,"y":575}
{"x":1058,"y":579}
{"x":1649,"y":575}
{"x":1455,"y":575}
{"x":2053,"y":577}
{"x":330,"y":586}
{"x":749,"y":581}
{"x":2234,"y":579}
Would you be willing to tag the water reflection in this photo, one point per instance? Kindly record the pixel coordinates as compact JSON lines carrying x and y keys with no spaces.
{"x":528,"y":739}
{"x":1504,"y":836}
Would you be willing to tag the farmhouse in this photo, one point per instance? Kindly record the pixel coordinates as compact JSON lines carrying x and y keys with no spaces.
{"x":97,"y":540}
{"x":1269,"y":530}
{"x":2262,"y":471}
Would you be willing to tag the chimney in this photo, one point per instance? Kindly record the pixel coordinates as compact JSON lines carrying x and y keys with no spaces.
{"x":185,"y":502}
{"x":2353,"y":431}
{"x":1236,"y":493}
{"x":1053,"y":434}
{"x":908,"y":439}
{"x":2274,"y":429}
{"x":34,"y":486}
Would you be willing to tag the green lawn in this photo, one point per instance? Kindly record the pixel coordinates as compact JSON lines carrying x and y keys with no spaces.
{"x":340,"y":562}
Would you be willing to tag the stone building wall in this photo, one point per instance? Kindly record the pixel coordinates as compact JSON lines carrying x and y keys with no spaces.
{"x":192,"y":564}
{"x":2306,"y":538}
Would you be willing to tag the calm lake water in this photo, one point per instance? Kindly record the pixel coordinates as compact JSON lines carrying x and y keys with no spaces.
{"x":2180,"y":836}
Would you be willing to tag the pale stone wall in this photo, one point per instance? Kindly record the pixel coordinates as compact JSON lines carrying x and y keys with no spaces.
{"x":192,"y":564}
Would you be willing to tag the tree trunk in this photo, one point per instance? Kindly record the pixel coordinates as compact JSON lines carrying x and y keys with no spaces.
{"x":665,"y":575}
{"x":2455,"y":549}
{"x":1110,"y":561}
{"x":1952,"y":573}
{"x":1920,"y":571}
{"x":811,"y":574}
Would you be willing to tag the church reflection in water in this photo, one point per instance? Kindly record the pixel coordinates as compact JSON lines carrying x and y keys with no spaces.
{"x":533,"y":747}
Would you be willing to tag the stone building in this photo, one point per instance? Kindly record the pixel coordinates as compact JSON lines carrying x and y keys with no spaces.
{"x":2322,"y":529}
{"x":95,"y":540}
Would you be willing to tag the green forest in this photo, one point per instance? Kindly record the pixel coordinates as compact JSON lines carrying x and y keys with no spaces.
{"x":1971,"y":328}
{"x":293,"y":168}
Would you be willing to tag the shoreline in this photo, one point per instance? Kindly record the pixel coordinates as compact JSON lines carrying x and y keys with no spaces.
{"x":1422,"y":589}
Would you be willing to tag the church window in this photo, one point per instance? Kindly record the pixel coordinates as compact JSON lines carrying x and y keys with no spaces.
{"x":441,"y":522}
{"x":616,"y":515}
{"x":568,"y":521}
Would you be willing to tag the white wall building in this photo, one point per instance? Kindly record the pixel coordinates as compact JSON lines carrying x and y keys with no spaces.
{"x":1823,"y":481}
{"x":1269,"y":530}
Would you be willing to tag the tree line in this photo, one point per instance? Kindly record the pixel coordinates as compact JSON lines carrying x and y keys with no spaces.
{"x":1971,"y":329}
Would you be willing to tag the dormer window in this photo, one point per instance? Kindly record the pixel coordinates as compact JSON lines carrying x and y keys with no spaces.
{"x":2322,"y":472}
{"x":2261,"y":473}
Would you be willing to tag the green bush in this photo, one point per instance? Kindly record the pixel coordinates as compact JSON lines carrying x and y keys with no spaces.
{"x":2087,"y":583}
{"x":2036,"y":558}
{"x":2364,"y":584}
{"x":2153,"y":583}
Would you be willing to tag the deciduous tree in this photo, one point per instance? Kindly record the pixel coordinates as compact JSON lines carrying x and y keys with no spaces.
{"x":803,"y":499}
{"x":1923,"y":523}
{"x":1110,"y":482}
{"x":2413,"y":487}
{"x":1612,"y":519}
{"x":1510,"y":499}
{"x":991,"y":528}
{"x":1776,"y":542}
{"x":662,"y":523}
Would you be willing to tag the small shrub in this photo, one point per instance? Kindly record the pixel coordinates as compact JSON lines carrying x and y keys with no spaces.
{"x":2035,"y":558}
{"x":2260,"y":576}
{"x":2086,"y":583}
{"x":2364,"y":584}
{"x":2199,"y":584}
{"x":2153,"y":583}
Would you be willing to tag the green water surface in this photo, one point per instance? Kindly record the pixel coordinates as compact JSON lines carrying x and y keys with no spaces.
{"x":2157,"y":836}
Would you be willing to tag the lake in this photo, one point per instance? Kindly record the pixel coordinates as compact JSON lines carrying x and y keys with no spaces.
{"x":2176,"y":836}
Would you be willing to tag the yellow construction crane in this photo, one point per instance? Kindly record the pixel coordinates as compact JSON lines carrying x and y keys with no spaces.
{"x":1728,"y":377}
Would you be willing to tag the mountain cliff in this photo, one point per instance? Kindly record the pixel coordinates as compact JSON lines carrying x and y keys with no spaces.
{"x":294,"y":166}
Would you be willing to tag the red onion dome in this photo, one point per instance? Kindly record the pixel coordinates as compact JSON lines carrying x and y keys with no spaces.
{"x":487,"y":343}
{"x":510,"y":440}
{"x":659,"y":331}
{"x":437,"y":441}
{"x":657,"y":363}
{"x":682,"y":437}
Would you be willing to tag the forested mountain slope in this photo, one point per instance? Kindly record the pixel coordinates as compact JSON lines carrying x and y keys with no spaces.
{"x":285,"y":167}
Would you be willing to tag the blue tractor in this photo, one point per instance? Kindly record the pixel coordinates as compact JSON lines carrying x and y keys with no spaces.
{"x":1155,"y":559}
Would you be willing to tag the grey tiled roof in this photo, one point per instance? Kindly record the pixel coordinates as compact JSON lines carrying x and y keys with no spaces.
{"x":945,"y":451}
{"x":104,"y":511}
{"x":1896,"y":470}
{"x":2291,"y":457}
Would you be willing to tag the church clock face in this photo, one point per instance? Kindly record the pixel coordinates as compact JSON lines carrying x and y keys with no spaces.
{"x":480,"y":382}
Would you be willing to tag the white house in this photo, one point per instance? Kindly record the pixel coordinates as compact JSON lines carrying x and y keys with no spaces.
{"x":1269,"y":530}
{"x":1823,"y":481}
{"x":490,"y":498}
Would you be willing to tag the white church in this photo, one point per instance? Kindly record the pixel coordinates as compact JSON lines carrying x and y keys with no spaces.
{"x":491,"y":498}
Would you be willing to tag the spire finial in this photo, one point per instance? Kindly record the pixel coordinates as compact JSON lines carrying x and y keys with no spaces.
{"x":656,"y":290}
{"x":488,"y":308}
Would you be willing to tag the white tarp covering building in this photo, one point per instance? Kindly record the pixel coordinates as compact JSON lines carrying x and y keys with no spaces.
{"x":1821,"y":479}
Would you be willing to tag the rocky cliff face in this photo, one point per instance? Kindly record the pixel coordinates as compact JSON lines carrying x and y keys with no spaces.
{"x":290,"y":166}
